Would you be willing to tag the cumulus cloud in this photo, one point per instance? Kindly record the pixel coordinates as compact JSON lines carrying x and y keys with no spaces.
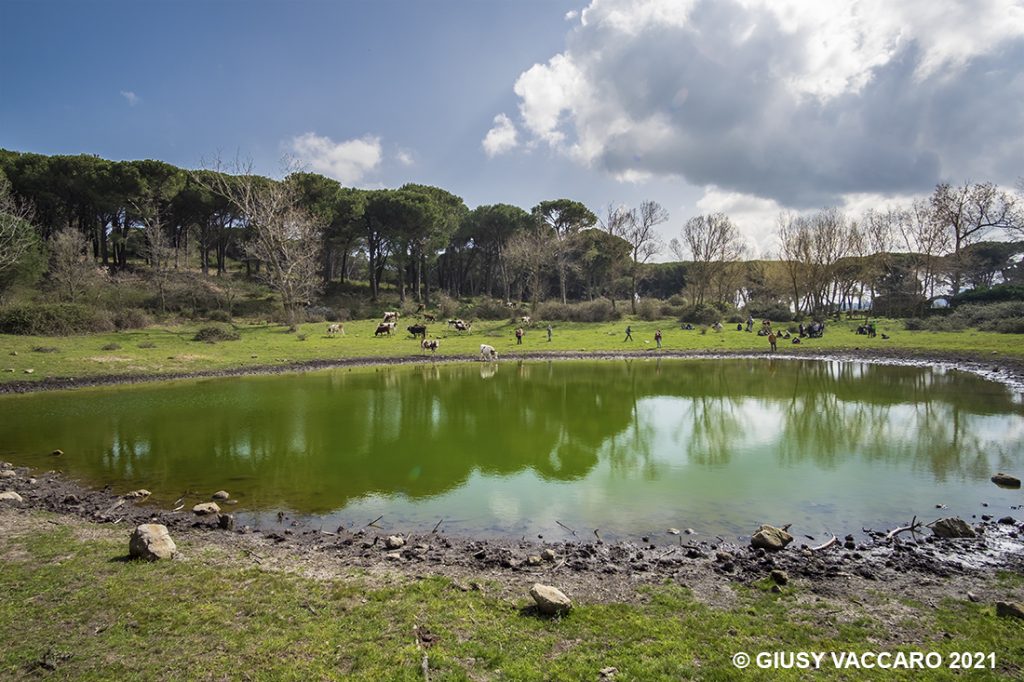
{"x":798,"y":101}
{"x":502,"y":137}
{"x":404,"y":157}
{"x":130,"y":97}
{"x":347,"y":162}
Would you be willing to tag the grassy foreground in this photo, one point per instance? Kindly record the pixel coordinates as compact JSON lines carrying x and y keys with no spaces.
{"x":171,"y":350}
{"x":74,"y":608}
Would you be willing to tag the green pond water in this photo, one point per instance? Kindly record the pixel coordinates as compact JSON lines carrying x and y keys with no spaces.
{"x":629,"y":447}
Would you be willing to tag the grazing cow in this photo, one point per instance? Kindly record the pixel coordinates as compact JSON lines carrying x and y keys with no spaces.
{"x":428,"y":317}
{"x":385,"y":328}
{"x":525,"y":319}
{"x":488,"y":352}
{"x":391,"y":316}
{"x":461,"y":326}
{"x":452,"y":323}
{"x":418,"y":330}
{"x":430,"y":345}
{"x":336,"y":328}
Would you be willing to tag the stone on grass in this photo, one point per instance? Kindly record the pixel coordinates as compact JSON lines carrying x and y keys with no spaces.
{"x":770,"y":538}
{"x":151,"y":541}
{"x":205,"y":508}
{"x":10,"y":496}
{"x":953,"y":527}
{"x":1009,"y":609}
{"x":221,"y":495}
{"x":550,"y":600}
{"x":394,"y":542}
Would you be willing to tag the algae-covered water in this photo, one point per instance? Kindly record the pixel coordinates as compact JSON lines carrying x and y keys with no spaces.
{"x":629,"y":447}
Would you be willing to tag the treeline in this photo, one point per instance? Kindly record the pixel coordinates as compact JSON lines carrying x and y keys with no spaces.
{"x":71,"y":219}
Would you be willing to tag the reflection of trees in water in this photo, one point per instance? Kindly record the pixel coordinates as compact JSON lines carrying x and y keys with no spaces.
{"x":422,"y":431}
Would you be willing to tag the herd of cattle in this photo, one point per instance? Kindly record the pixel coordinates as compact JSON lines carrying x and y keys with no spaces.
{"x":389,"y":324}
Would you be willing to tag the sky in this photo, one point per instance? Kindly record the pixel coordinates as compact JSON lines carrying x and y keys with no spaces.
{"x":749,"y":107}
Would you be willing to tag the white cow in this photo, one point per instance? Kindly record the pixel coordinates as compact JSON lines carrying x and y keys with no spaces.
{"x":391,"y":316}
{"x":487,"y":352}
{"x":336,"y":328}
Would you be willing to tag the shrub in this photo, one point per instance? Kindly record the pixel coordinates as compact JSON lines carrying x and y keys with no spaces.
{"x":600,"y":310}
{"x":915,"y":324}
{"x":132,"y":318}
{"x":147,"y":344}
{"x":490,"y":309}
{"x":213,"y":334}
{"x":761,"y":310}
{"x":219,"y":316}
{"x":700,"y":314}
{"x":44,"y":349}
{"x":58,"y":319}
{"x":111,"y":346}
{"x":447,"y":306}
{"x":648,"y":309}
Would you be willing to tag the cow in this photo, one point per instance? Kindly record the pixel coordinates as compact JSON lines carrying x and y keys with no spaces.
{"x":427,"y":317}
{"x":336,"y":328}
{"x":461,"y":326}
{"x":418,"y":330}
{"x":452,"y":323}
{"x":391,"y":316}
{"x":488,"y":352}
{"x":385,"y":328}
{"x":525,"y":319}
{"x":430,"y":345}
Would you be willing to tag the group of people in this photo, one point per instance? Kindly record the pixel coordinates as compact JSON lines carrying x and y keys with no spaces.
{"x":520,"y":333}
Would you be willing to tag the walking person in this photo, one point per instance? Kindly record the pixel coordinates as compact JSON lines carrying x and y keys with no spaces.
{"x":519,"y":336}
{"x":629,"y":334}
{"x":549,"y":333}
{"x":657,"y":337}
{"x":772,"y":339}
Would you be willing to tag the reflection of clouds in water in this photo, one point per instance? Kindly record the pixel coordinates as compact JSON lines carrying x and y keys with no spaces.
{"x":504,"y":506}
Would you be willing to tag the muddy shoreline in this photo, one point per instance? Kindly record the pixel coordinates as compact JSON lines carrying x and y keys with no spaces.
{"x":603,"y":570}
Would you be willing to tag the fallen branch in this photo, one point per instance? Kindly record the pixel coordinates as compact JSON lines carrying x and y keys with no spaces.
{"x":914,"y":526}
{"x":596,"y":535}
{"x":565,"y":527}
{"x":437,"y":526}
{"x":374,"y":522}
{"x":822,"y":547}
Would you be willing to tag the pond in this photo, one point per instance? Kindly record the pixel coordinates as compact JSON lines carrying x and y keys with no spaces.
{"x":629,"y":447}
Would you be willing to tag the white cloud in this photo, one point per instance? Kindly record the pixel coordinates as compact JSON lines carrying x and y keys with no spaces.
{"x":130,"y":97}
{"x":405,"y":157}
{"x":571,"y":14}
{"x":502,"y":137}
{"x":348,"y":161}
{"x":800,"y":101}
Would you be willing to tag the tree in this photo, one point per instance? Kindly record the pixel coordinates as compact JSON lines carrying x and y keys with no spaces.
{"x":529,"y":253}
{"x":605,"y":260}
{"x":564,"y":218}
{"x":969,"y":212}
{"x":637,"y":226}
{"x":927,"y":239}
{"x":18,"y":241}
{"x":284,"y":236}
{"x":715,"y":245}
{"x":71,"y":269}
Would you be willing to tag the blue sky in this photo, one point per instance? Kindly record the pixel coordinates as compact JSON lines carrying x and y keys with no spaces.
{"x":745,"y":106}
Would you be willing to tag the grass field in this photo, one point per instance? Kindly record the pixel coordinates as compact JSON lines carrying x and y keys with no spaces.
{"x":73,"y":608}
{"x":171,"y":350}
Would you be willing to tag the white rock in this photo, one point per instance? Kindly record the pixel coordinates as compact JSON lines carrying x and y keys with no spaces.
{"x":10,"y":496}
{"x":394,"y":542}
{"x":204,"y":508}
{"x":151,"y":541}
{"x":770,"y":538}
{"x":7,"y":473}
{"x":550,"y":600}
{"x":137,"y":494}
{"x":221,"y":495}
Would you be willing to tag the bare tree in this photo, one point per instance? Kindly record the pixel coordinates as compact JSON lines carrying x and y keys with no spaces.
{"x":283,"y":235}
{"x":157,"y":247}
{"x":715,"y":245}
{"x":637,"y":226}
{"x":71,"y":268}
{"x":17,"y":236}
{"x":969,"y":212}
{"x":528,"y":254}
{"x":927,"y":239}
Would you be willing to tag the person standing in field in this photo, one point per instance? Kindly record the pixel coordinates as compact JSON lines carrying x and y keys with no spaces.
{"x":772,"y":339}
{"x":629,"y":333}
{"x":549,"y":333}
{"x":657,"y":337}
{"x":519,"y":336}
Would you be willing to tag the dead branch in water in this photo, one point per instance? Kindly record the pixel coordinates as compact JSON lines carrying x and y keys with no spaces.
{"x":565,"y":527}
{"x":437,"y":526}
{"x":834,"y":541}
{"x":913,"y":528}
{"x":374,"y":522}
